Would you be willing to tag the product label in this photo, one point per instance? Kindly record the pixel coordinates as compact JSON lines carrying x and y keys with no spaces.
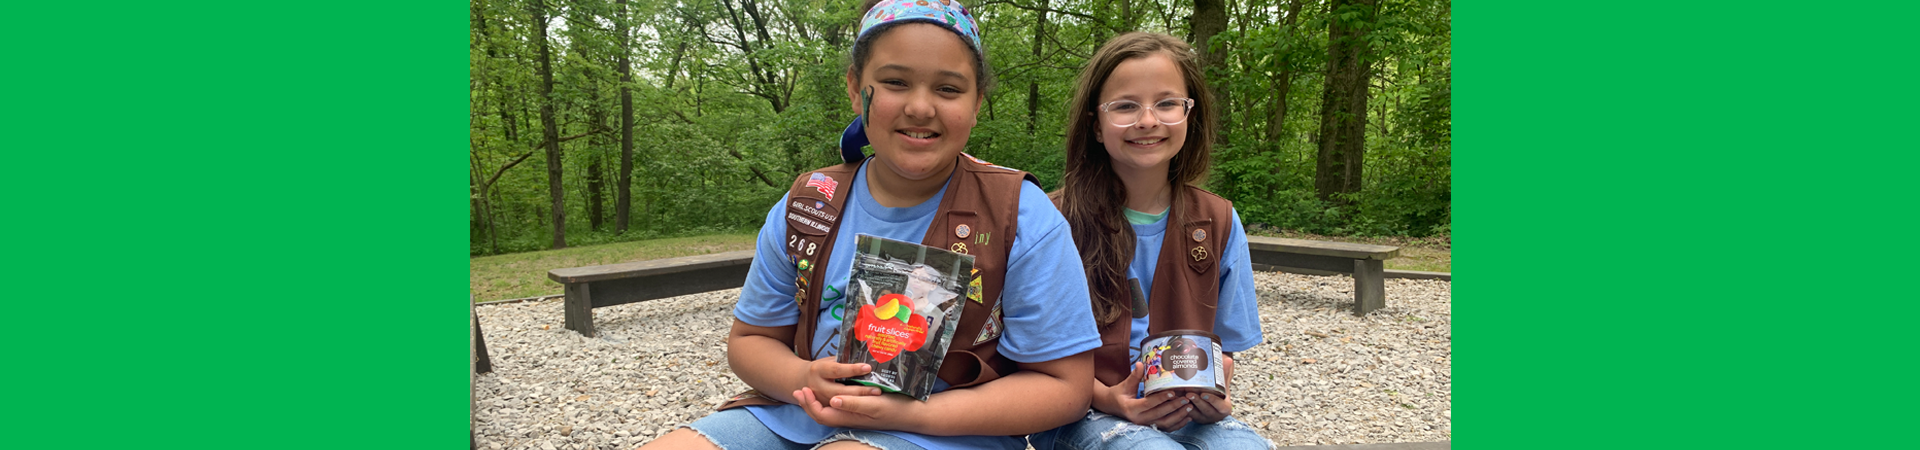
{"x":1181,"y":361}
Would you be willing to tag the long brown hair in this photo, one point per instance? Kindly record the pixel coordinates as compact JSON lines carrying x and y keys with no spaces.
{"x":1092,"y":195}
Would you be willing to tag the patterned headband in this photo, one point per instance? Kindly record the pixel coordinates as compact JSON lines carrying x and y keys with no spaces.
{"x":948,"y":13}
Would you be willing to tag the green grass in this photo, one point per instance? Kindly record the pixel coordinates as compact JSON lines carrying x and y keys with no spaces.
{"x":521,"y":275}
{"x":1428,"y":254}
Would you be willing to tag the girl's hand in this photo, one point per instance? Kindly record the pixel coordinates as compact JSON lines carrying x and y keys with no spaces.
{"x":821,"y":374}
{"x":1210,"y":408}
{"x":1163,"y":409}
{"x":866,"y":412}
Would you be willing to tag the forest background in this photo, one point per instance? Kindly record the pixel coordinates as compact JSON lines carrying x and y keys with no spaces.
{"x":615,"y":120}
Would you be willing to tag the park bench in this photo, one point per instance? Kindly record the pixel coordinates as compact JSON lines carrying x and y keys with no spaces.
{"x":616,"y":284}
{"x":1366,"y":262}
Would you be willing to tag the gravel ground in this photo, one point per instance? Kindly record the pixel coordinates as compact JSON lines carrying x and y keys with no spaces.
{"x":1322,"y":377}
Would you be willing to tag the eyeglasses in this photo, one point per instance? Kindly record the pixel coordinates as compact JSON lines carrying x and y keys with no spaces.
{"x":1126,"y":113}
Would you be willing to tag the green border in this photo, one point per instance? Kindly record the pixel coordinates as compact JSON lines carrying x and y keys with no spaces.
{"x":1684,"y":224}
{"x":236,"y":225}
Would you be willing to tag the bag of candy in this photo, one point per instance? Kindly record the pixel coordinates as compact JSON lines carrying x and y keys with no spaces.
{"x":903,"y":303}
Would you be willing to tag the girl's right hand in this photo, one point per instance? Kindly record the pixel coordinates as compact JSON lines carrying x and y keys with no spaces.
{"x":822,"y":373}
{"x":1166,"y":410}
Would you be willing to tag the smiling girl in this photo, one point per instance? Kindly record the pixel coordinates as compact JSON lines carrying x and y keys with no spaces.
{"x":1161,"y":253}
{"x":1019,"y":360}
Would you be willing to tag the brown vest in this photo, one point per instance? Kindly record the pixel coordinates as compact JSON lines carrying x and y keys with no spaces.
{"x":982,"y":198}
{"x":1186,"y":283}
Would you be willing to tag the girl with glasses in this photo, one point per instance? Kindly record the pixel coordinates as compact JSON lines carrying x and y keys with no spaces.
{"x":1161,"y":253}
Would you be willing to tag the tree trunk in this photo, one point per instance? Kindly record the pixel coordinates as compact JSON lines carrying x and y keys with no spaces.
{"x":596,"y":190}
{"x":476,"y":212}
{"x":551,"y":131}
{"x":763,"y":80}
{"x":623,"y":204}
{"x":1283,"y":83}
{"x":1033,"y":86}
{"x":1210,"y":18}
{"x":1343,"y":105}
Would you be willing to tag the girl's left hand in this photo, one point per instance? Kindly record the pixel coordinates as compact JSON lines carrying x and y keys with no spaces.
{"x":877,"y":412}
{"x":1210,"y":408}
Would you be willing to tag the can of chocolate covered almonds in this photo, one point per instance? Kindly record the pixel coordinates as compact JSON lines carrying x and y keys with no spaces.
{"x":1183,"y":359}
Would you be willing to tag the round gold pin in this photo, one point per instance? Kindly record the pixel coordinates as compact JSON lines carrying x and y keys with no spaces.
{"x":1199,"y":253}
{"x":1199,"y":235}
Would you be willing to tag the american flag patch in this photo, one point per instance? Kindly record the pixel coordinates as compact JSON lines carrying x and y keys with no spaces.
{"x":824,"y":184}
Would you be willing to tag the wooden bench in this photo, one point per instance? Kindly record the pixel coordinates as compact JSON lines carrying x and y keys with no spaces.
{"x":615,"y":284}
{"x":1366,"y":262}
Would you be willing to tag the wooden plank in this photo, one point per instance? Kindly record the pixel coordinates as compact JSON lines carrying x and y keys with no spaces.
{"x":570,"y":275}
{"x":1260,"y":244}
{"x":1390,"y":273}
{"x":1303,"y":261}
{"x":1369,"y":286}
{"x":1419,"y":275}
{"x":663,"y":285}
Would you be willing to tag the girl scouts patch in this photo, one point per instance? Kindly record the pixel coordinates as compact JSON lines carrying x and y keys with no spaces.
{"x":1199,"y":235}
{"x":963,"y":231}
{"x":973,"y":290}
{"x":991,"y":329}
{"x":805,"y":265}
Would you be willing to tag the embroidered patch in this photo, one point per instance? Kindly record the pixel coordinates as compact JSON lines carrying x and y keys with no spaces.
{"x":811,"y":216}
{"x":991,"y":329}
{"x":1199,"y":235}
{"x":973,"y":289}
{"x":963,"y":231}
{"x":805,"y":265}
{"x":821,"y":182}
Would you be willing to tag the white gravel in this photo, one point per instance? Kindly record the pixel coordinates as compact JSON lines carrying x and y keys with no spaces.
{"x":1323,"y":376}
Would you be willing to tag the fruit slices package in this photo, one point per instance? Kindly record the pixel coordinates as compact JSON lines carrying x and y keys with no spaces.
{"x":903,"y":303}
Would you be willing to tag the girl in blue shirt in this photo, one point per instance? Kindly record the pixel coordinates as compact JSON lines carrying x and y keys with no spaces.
{"x":919,"y":65}
{"x":1138,"y":141}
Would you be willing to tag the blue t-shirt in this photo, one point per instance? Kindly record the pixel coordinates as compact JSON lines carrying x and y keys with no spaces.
{"x":1237,"y":321}
{"x":1045,"y":319}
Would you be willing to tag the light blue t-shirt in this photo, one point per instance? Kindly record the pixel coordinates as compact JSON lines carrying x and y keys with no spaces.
{"x":1237,"y":321}
{"x":1045,"y":318}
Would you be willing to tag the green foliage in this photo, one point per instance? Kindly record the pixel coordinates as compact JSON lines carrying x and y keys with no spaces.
{"x":734,"y":98}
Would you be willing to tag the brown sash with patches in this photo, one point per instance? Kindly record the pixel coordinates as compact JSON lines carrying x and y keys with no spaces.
{"x":977,"y":216}
{"x":1186,"y":283}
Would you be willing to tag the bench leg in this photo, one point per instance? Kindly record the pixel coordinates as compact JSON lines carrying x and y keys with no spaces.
{"x":1369,"y":285}
{"x":579,"y":309}
{"x":482,"y":363}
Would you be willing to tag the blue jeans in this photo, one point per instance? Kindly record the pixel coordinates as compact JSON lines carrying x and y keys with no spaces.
{"x":1101,"y":431}
{"x":738,"y":429}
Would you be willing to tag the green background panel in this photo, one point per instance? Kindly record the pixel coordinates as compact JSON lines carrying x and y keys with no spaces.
{"x":1682,"y":225}
{"x":236,"y":225}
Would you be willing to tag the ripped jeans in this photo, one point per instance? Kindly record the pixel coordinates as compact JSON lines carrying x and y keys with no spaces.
{"x":1102,"y":431}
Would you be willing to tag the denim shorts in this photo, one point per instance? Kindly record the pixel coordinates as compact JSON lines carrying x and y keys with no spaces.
{"x":1101,"y":431}
{"x":738,"y":429}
